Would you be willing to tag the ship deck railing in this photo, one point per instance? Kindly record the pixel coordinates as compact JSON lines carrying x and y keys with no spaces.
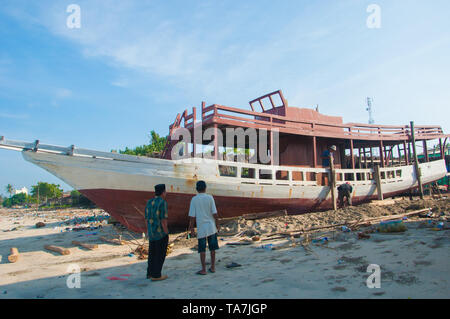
{"x":225,"y":115}
{"x":71,"y":150}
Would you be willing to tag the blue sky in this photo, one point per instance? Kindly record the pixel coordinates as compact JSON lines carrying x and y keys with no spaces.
{"x":133,"y":65}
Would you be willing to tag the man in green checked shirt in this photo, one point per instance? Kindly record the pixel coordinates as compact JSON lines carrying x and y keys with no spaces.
{"x":158,"y":233}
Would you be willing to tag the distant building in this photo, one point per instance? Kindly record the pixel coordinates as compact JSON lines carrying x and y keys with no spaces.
{"x":23,"y":190}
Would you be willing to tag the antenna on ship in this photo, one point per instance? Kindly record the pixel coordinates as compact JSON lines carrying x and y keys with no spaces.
{"x":369,"y":109}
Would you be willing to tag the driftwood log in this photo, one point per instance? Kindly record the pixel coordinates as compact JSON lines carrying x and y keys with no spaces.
{"x":112,"y":240}
{"x":14,"y":256}
{"x":61,"y":250}
{"x":85,"y":245}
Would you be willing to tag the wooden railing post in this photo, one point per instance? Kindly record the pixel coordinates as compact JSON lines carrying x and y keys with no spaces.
{"x":381,"y":154}
{"x":416,"y":161}
{"x":352,"y":155}
{"x":314,"y":151}
{"x":333,"y":182}
{"x":425,"y":150}
{"x":216,"y":145}
{"x":377,"y":175}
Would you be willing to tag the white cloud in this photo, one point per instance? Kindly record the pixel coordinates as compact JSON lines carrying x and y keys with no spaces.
{"x":14,"y":116}
{"x":63,"y":93}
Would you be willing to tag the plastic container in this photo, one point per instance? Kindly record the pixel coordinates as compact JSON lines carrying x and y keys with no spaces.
{"x":391,"y":226}
{"x":345,"y":229}
{"x":267,"y":246}
{"x":322,"y":240}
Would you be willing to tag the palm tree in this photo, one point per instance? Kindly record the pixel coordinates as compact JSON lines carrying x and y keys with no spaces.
{"x":9,"y":189}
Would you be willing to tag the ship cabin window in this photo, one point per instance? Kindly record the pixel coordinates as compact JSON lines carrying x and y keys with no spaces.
{"x":282,"y":175}
{"x":311,"y":176}
{"x":297,"y":176}
{"x":229,"y":171}
{"x":247,"y":172}
{"x":390,"y":174}
{"x":349,"y":176}
{"x":399,"y":173}
{"x":369,"y":176}
{"x":383,"y":175}
{"x":265,"y":174}
{"x":360,"y":176}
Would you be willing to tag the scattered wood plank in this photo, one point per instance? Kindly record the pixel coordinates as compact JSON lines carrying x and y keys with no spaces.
{"x":239,"y":243}
{"x":85,"y":245}
{"x":254,"y":216}
{"x":14,"y":256}
{"x":276,"y":213}
{"x":385,"y":202}
{"x":60,"y":250}
{"x":113,"y":241}
{"x":368,"y":221}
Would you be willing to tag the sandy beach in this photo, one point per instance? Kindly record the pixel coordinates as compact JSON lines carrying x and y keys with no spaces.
{"x":413,"y":263}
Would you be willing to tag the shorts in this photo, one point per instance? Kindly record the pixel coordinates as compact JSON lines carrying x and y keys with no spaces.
{"x":212,"y":243}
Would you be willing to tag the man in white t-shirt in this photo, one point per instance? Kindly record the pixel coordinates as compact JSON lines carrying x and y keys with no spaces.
{"x":203,"y":212}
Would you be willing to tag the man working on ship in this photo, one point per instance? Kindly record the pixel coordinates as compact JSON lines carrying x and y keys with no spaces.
{"x":345,"y":190}
{"x":203,"y":212}
{"x":327,"y":154}
{"x":158,"y":233}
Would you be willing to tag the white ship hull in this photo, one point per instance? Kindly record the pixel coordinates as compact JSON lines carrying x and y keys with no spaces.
{"x":122,"y":186}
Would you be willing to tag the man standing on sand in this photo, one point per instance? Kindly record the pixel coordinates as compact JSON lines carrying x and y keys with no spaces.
{"x":158,"y":233}
{"x":203,"y":212}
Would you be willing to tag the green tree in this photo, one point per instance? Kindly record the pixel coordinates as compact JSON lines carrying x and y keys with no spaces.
{"x":18,"y":199}
{"x":9,"y":189}
{"x":46,"y":190}
{"x":79,"y":199}
{"x":156,"y":145}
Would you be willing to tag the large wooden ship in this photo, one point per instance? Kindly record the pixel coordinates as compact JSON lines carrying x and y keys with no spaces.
{"x":299,"y":182}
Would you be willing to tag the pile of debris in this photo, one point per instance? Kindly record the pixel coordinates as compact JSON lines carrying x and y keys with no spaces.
{"x":142,"y":250}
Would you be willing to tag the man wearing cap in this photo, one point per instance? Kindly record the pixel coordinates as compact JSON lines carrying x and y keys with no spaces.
{"x":203,"y":212}
{"x":158,"y":233}
{"x":327,"y":154}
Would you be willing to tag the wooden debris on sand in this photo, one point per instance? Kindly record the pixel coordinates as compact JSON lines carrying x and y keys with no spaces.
{"x":60,"y":250}
{"x":14,"y":256}
{"x":254,"y":216}
{"x":352,"y":224}
{"x":85,"y":245}
{"x":142,"y":250}
{"x":114,"y":241}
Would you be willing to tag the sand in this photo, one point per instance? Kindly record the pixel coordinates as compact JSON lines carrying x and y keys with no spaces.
{"x":414,"y":263}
